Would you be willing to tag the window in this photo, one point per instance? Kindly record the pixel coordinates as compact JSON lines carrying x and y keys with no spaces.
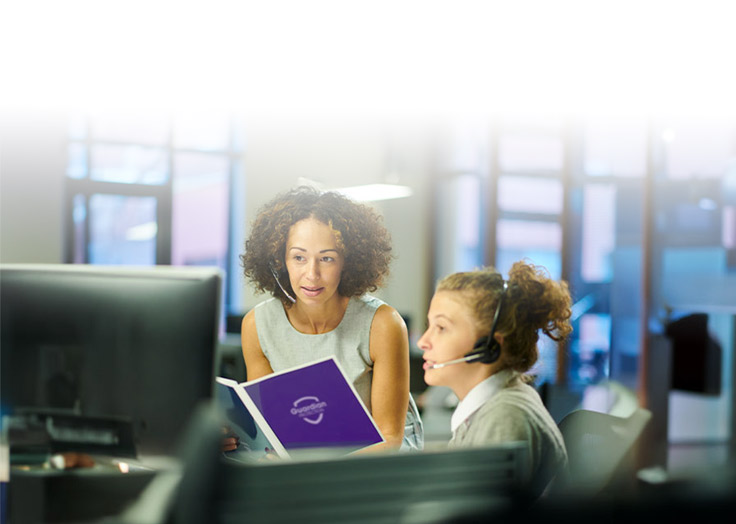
{"x":459,"y":228}
{"x":606,"y":220}
{"x":530,"y":204}
{"x":145,"y":189}
{"x":460,"y":219}
{"x":502,"y":199}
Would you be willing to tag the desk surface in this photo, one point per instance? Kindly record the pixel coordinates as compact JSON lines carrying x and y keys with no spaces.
{"x":39,"y":493}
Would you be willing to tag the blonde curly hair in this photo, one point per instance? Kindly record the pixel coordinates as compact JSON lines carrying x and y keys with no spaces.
{"x":533,"y":302}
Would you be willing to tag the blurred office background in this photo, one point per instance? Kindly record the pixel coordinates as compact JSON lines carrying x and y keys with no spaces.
{"x":638,"y":215}
{"x":593,"y":144}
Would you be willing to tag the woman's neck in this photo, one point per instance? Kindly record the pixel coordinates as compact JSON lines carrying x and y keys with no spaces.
{"x":314,"y":320}
{"x":475,"y":377}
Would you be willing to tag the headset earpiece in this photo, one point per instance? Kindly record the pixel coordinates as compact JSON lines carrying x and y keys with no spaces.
{"x":487,"y":348}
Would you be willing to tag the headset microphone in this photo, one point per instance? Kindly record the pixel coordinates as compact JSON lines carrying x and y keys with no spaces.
{"x":470,"y":357}
{"x":276,"y":277}
{"x":486,"y":349}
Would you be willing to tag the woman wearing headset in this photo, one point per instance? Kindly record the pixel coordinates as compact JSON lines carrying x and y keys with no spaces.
{"x":481,"y":340}
{"x":319,"y":254}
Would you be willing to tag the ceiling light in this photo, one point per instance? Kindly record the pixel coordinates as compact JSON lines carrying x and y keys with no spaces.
{"x":374,"y":192}
{"x":142,"y":232}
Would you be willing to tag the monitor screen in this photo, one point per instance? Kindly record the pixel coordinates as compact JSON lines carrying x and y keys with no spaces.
{"x":104,"y":341}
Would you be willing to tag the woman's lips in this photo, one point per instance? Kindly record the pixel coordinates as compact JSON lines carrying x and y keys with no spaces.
{"x":428,"y":364}
{"x":312,"y":292}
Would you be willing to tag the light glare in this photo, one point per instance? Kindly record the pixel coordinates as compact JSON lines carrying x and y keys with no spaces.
{"x":375,"y":192}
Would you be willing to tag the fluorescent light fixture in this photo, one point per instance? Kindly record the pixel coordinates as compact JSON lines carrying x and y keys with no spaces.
{"x":375,"y":192}
{"x":303,"y":181}
{"x":142,"y":232}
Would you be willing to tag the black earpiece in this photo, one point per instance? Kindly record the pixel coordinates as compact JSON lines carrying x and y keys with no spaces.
{"x":487,"y":350}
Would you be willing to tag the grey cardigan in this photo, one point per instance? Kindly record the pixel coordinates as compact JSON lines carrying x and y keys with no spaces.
{"x":516,"y":413}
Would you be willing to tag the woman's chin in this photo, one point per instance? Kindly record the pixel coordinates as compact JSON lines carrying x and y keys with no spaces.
{"x":430,"y":378}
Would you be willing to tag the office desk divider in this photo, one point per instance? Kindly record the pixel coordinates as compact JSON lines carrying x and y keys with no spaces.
{"x":426,"y":486}
{"x":394,"y":487}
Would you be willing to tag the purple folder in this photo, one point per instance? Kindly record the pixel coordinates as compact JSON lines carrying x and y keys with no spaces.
{"x":310,"y":406}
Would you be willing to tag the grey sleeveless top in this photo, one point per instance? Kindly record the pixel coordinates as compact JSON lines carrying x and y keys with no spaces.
{"x":285,"y":347}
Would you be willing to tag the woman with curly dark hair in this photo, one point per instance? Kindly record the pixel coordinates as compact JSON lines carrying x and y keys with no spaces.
{"x":319,"y":254}
{"x":481,"y":340}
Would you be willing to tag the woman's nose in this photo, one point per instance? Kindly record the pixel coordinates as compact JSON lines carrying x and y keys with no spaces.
{"x":313,"y":270}
{"x":422,"y":343}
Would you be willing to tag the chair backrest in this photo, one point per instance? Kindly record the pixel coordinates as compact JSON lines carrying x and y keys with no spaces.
{"x":599,"y":447}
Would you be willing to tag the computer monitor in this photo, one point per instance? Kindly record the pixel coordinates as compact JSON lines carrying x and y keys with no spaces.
{"x":102,"y":341}
{"x":696,"y":355}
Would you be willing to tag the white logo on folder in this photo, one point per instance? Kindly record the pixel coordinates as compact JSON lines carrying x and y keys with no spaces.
{"x":309,"y":409}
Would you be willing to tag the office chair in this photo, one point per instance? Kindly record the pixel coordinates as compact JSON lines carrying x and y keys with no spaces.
{"x":600,"y":449}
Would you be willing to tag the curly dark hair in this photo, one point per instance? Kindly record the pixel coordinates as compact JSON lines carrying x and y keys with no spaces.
{"x":363,"y":240}
{"x":533,"y":302}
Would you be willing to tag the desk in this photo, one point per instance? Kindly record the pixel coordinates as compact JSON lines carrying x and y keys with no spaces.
{"x":40,"y":494}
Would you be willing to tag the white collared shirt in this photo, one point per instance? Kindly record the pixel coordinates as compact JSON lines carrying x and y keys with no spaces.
{"x":478,"y":396}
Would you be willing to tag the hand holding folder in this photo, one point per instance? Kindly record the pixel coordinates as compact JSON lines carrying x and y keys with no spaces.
{"x":305,"y":407}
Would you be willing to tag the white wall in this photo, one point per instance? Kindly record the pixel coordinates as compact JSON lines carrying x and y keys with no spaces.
{"x":32,"y":166}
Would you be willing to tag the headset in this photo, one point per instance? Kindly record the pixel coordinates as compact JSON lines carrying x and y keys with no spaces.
{"x":276,"y":277}
{"x":486,"y":350}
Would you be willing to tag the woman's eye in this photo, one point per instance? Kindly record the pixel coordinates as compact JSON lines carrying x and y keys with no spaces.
{"x":327,"y":259}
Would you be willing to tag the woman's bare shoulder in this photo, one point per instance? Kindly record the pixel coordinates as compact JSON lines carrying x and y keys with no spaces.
{"x":388,"y":318}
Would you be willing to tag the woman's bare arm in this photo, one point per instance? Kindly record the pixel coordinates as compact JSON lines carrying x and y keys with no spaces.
{"x":256,"y":363}
{"x":389,"y":349}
